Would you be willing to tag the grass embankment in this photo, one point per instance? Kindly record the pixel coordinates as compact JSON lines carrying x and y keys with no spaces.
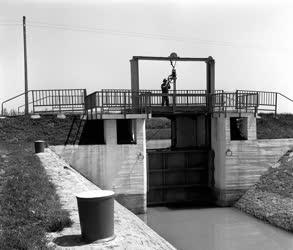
{"x":271,"y":127}
{"x":29,"y":205}
{"x":19,"y":130}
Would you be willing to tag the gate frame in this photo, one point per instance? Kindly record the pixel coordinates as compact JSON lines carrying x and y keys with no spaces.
{"x":210,"y":80}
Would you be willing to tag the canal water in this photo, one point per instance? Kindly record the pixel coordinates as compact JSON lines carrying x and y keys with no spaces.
{"x":215,"y":229}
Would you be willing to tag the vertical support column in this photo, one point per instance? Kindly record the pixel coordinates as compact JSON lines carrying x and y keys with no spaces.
{"x":173,"y":132}
{"x":210,"y":91}
{"x":134,"y":70}
{"x":26,"y":107}
{"x":210,"y":78}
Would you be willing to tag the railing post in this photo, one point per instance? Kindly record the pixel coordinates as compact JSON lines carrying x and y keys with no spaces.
{"x":59,"y":97}
{"x":124,"y":100}
{"x":236,"y":101}
{"x":276,"y":103}
{"x":222,"y":101}
{"x":102,"y":103}
{"x":256,"y":105}
{"x":33,"y":101}
{"x":84,"y":97}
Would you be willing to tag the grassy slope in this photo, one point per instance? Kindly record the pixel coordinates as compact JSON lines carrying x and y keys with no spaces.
{"x":29,"y":206}
{"x":19,"y":130}
{"x":271,"y":127}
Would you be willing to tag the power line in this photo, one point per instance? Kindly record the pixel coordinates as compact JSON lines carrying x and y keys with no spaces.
{"x":167,"y":37}
{"x":129,"y":34}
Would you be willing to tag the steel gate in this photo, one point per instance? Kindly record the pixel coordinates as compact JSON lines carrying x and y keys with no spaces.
{"x":179,"y":176}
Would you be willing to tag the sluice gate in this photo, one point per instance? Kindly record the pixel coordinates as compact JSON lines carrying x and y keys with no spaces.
{"x":179,"y":176}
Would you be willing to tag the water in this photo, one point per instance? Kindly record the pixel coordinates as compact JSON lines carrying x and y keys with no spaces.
{"x":213,"y":228}
{"x":154,"y":144}
{"x":216,"y":229}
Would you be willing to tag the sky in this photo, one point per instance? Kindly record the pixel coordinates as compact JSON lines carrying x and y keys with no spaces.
{"x":88,"y":44}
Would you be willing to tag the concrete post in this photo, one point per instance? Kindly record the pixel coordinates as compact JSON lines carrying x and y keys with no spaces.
{"x":134,"y":82}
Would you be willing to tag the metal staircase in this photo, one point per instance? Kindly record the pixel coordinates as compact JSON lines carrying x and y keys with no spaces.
{"x":76,"y":128}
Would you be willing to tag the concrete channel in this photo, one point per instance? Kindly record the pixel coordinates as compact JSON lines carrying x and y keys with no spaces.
{"x":183,"y":228}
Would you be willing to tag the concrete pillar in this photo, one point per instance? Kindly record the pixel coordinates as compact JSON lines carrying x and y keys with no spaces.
{"x":134,"y":75}
{"x":210,"y":75}
{"x":134,"y":82}
{"x":110,"y":132}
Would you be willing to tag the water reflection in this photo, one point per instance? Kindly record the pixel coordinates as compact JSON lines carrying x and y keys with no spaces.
{"x":155,"y":144}
{"x":216,"y":229}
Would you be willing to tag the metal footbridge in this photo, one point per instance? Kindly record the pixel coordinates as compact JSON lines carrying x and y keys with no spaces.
{"x":126,"y":101}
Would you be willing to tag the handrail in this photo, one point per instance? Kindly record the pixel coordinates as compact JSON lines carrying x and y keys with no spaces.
{"x":69,"y":100}
{"x":32,"y":102}
{"x":10,"y":99}
{"x":285,"y":96}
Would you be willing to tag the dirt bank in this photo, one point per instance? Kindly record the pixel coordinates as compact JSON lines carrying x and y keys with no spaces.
{"x":271,"y":198}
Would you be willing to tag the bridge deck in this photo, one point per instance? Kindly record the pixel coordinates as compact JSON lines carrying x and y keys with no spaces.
{"x":125,"y":101}
{"x":181,"y":101}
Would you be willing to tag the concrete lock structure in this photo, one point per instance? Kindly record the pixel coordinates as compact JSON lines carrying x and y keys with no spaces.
{"x":115,"y":159}
{"x":214,"y":155}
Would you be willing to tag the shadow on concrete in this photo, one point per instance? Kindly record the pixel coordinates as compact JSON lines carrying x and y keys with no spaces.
{"x":70,"y":241}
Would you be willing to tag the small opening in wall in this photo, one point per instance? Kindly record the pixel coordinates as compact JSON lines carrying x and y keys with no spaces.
{"x":238,"y":128}
{"x":126,"y":131}
{"x":92,"y":133}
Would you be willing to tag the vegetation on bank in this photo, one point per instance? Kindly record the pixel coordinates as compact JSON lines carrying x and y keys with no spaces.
{"x":270,"y":126}
{"x":21,"y":129}
{"x":29,"y":204}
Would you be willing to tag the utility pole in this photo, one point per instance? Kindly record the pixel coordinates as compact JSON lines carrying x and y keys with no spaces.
{"x":25,"y":67}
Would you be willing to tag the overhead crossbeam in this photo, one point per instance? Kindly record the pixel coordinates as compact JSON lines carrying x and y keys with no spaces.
{"x":155,"y":58}
{"x":210,"y":69}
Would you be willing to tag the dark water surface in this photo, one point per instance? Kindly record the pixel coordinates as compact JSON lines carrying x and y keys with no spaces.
{"x":216,"y":229}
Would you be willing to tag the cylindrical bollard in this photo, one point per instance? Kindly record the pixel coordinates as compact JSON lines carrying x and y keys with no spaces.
{"x":39,"y":146}
{"x":96,"y":215}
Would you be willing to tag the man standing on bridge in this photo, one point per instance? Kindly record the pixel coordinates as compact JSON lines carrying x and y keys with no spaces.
{"x":165,"y":86}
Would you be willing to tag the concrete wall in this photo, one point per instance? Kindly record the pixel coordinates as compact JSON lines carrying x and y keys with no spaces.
{"x":239,"y":164}
{"x":121,"y":168}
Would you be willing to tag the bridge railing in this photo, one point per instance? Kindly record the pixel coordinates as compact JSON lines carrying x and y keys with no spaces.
{"x":235,"y":101}
{"x":178,"y":97}
{"x":119,"y":102}
{"x":58,"y":100}
{"x":48,"y":101}
{"x":267,"y":101}
{"x":127,"y":101}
